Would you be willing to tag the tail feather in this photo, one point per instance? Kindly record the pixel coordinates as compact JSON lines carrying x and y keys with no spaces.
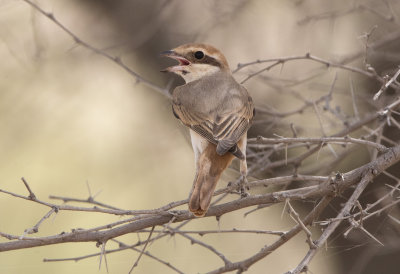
{"x":209,"y":169}
{"x":237,"y":152}
{"x":201,"y":196}
{"x":224,"y":147}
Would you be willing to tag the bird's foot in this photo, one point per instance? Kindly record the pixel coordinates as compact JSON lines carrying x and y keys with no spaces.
{"x":243,"y":186}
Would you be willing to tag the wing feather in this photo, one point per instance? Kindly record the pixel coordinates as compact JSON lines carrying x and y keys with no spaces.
{"x":223,"y":125}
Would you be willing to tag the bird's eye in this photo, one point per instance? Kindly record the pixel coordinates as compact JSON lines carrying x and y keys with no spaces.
{"x":199,"y":55}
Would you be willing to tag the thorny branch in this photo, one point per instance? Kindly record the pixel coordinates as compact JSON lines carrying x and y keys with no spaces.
{"x":264,"y":154}
{"x":307,"y":56}
{"x":303,"y":226}
{"x":387,"y":84}
{"x":365,"y":180}
{"x":84,"y":44}
{"x":333,"y":15}
{"x":325,"y":190}
{"x":141,"y":252}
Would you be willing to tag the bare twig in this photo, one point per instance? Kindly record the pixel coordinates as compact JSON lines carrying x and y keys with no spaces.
{"x":333,"y":15}
{"x":266,"y":250}
{"x":303,"y":226}
{"x":32,"y":195}
{"x":366,"y":177}
{"x":307,"y":56}
{"x":397,"y":221}
{"x":353,"y":99}
{"x":116,"y":60}
{"x":89,"y":200}
{"x":103,"y":255}
{"x":320,"y":140}
{"x":387,"y":84}
{"x":141,"y":253}
{"x":35,"y":228}
{"x":122,"y":247}
{"x":201,"y":243}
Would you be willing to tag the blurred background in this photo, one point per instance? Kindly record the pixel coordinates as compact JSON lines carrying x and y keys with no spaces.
{"x":70,"y":118}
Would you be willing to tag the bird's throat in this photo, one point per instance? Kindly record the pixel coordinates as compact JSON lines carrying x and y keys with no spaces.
{"x":197,"y":71}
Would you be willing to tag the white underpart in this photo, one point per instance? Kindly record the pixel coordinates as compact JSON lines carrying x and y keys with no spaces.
{"x":198,"y":144}
{"x":196,"y":71}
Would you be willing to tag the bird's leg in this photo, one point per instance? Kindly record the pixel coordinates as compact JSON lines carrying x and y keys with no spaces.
{"x":243,"y":187}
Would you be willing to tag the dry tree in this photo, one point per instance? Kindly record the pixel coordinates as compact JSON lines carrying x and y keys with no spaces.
{"x":298,"y":163}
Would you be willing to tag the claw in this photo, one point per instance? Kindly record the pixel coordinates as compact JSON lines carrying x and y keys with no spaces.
{"x":243,"y":187}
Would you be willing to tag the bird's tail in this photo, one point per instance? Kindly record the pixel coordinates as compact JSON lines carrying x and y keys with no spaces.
{"x":209,"y":169}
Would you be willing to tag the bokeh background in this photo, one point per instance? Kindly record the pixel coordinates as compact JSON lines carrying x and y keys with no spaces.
{"x":70,"y":118}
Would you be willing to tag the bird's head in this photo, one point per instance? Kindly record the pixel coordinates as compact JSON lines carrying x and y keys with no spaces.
{"x":196,"y":61}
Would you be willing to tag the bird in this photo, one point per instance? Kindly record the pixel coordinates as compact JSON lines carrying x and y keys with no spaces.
{"x":218,"y":112}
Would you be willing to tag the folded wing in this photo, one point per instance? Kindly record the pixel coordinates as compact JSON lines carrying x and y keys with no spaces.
{"x":223,"y":126}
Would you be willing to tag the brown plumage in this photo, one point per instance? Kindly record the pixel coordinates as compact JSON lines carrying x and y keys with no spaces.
{"x":218,"y":112}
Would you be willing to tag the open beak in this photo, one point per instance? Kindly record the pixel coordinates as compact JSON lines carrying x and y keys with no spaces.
{"x":183,"y":62}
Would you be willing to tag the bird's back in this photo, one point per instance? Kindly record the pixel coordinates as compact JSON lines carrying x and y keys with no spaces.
{"x":211,"y":97}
